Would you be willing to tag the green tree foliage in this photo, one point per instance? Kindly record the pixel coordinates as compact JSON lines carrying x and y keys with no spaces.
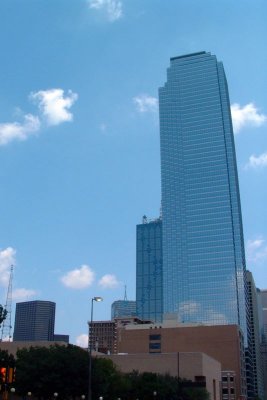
{"x":3,"y":314}
{"x":44,"y":371}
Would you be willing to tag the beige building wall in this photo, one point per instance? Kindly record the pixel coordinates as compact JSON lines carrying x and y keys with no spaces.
{"x":184,"y":365}
{"x":223,"y":343}
{"x":12,"y":347}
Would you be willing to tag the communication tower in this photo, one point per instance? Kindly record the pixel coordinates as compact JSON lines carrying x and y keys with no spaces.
{"x":6,"y":325}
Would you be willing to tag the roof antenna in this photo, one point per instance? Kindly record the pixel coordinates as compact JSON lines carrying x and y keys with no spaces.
{"x":125,"y":293}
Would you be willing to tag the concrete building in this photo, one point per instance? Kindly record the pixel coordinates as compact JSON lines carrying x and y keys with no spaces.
{"x":34,"y":321}
{"x":13,"y":347}
{"x":256,"y":370}
{"x":223,"y":343}
{"x":149,"y":303}
{"x":262,"y":298}
{"x":201,"y":369}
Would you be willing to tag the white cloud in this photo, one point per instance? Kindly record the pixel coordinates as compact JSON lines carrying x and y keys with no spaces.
{"x":245,"y":116}
{"x":23,"y":294}
{"x":109,"y":281}
{"x":79,"y":278}
{"x":112,"y":8}
{"x":257,"y":162}
{"x":145,"y":103}
{"x":54,"y":106}
{"x":7,"y":258}
{"x":19,"y":131}
{"x":82,"y":340}
{"x":256,"y":251}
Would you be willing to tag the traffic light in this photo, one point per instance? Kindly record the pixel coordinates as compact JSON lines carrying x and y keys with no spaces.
{"x":3,"y":374}
{"x":11,"y":375}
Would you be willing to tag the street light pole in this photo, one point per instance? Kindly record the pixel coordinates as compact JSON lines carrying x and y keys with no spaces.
{"x":90,"y":346}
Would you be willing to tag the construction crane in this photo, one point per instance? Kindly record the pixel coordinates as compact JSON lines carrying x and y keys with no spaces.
{"x":6,"y":325}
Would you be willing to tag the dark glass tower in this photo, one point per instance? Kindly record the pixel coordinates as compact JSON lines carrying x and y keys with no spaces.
{"x":34,"y":321}
{"x":149,"y":270}
{"x":203,"y":250}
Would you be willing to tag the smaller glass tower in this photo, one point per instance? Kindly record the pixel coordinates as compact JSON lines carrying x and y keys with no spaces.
{"x":149,"y":304}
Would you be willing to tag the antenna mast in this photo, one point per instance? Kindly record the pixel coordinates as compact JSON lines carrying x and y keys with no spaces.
{"x":6,"y":325}
{"x":125,"y":293}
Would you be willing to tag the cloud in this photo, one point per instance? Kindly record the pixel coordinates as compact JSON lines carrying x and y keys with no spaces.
{"x":256,"y":251}
{"x":7,"y":258}
{"x":79,"y":278}
{"x":112,"y":8}
{"x":82,"y":340}
{"x":145,"y":103}
{"x":246,"y":116}
{"x":23,"y":294}
{"x":54,"y":108}
{"x":109,"y":282}
{"x":54,"y":105}
{"x":19,"y":131}
{"x":257,"y":162}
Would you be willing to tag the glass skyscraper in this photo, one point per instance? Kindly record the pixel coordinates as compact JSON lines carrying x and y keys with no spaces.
{"x":34,"y":321}
{"x":203,"y":250}
{"x":149,"y":270}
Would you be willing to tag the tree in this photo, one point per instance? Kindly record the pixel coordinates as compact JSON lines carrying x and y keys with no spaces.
{"x":44,"y":371}
{"x":3,"y":314}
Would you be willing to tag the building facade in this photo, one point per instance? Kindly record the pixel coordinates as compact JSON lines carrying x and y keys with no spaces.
{"x":202,"y":370}
{"x":34,"y":321}
{"x":255,"y":373}
{"x":262,"y":298}
{"x":203,"y":250}
{"x":123,"y":308}
{"x":149,"y":303}
{"x":223,"y":343}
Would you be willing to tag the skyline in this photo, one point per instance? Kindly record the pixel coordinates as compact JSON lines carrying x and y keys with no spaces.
{"x":79,"y":138}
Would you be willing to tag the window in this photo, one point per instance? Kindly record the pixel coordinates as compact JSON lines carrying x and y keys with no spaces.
{"x":154,"y":346}
{"x":154,"y":337}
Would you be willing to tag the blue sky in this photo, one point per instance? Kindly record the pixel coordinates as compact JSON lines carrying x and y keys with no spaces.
{"x":79,"y":138}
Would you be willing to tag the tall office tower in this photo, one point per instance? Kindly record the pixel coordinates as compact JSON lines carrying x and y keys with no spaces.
{"x":203,"y":250}
{"x":149,"y":270}
{"x":123,"y":308}
{"x":262,"y":294}
{"x":34,"y":320}
{"x":256,"y":371}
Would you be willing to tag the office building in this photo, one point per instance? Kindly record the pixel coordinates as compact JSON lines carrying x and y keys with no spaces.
{"x":223,"y":343}
{"x":123,"y":308}
{"x":201,"y":370}
{"x":149,"y":270}
{"x":255,"y":373}
{"x":202,"y":239}
{"x":262,"y":298}
{"x":34,"y":321}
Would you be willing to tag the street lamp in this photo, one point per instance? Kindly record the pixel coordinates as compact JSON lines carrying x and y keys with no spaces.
{"x":55,"y":395}
{"x":97,"y":299}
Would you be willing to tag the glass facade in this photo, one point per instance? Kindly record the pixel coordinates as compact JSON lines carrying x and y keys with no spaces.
{"x":34,"y":321}
{"x":123,"y":308}
{"x":149,"y":270}
{"x":203,"y":250}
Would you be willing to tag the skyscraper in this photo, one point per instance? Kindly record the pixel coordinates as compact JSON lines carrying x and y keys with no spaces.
{"x":255,"y":373}
{"x":34,"y":320}
{"x":203,"y":251}
{"x":149,"y":270}
{"x":123,"y":308}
